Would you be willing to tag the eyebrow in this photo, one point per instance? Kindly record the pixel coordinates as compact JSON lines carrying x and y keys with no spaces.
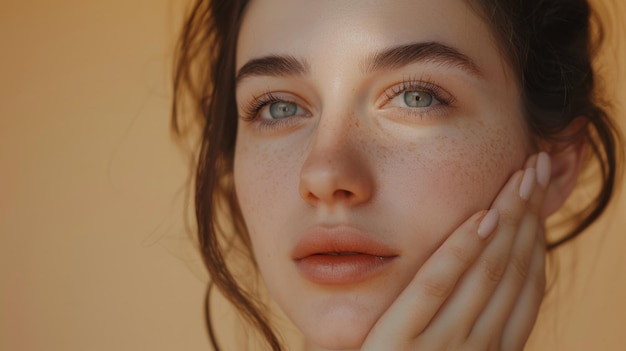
{"x":273,"y":65}
{"x":387,"y":59}
{"x":405,"y":55}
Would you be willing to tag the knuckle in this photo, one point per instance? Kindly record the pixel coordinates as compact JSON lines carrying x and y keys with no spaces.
{"x":521,"y":265}
{"x":436,"y":287}
{"x":461,"y":254}
{"x":512,"y":216}
{"x":494,"y":269}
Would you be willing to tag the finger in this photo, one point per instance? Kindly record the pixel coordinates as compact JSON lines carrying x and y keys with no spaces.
{"x":413,"y":310}
{"x":522,"y":320}
{"x":491,"y":322}
{"x":531,"y":162}
{"x":480,"y":281}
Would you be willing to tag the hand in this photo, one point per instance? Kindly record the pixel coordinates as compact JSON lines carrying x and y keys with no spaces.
{"x":482,"y":289}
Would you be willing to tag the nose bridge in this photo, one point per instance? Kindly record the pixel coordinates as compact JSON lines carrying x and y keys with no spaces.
{"x":334,"y":131}
{"x":337,"y":167}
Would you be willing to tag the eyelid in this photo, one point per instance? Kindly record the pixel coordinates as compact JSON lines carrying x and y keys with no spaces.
{"x":253,"y":106}
{"x":416,"y":84}
{"x":253,"y":109}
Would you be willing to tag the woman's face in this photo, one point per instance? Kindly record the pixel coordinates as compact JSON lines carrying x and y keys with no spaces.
{"x":368,"y":131}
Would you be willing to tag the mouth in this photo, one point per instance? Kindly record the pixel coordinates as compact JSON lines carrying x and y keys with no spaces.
{"x":340,"y":253}
{"x":340,"y":256}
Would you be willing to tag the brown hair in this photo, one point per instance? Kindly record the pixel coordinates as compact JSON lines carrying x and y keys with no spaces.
{"x":549,"y":44}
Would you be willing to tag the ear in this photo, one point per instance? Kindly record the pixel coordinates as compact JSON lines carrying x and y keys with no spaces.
{"x":567,"y":160}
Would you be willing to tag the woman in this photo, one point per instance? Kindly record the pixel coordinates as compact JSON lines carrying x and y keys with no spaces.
{"x":388,"y":165}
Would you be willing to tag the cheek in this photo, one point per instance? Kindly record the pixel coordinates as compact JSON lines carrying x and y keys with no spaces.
{"x":258,"y":171}
{"x":440,"y":183}
{"x":265,"y":185}
{"x":474,"y":166}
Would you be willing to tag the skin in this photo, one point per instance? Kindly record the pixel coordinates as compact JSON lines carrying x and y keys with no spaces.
{"x":415,"y":179}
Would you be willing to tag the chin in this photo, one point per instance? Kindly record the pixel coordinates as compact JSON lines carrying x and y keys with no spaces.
{"x":346,"y":336}
{"x":338,"y":326}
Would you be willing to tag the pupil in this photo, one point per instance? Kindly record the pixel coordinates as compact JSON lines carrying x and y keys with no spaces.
{"x":283,"y":109}
{"x":417,"y":99}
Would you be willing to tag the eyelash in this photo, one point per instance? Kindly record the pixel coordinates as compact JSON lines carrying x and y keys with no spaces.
{"x":419,"y":85}
{"x":257,"y":104}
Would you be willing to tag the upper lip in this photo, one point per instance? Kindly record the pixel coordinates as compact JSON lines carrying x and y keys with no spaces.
{"x":322,"y":240}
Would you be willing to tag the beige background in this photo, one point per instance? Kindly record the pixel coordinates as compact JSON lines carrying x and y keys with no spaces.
{"x":93,"y":250}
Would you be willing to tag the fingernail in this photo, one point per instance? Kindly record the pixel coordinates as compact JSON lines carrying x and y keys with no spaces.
{"x":488,"y":224}
{"x":543,"y":169}
{"x":528,"y":183}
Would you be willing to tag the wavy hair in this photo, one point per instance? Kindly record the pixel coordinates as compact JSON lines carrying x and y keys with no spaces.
{"x":549,"y":44}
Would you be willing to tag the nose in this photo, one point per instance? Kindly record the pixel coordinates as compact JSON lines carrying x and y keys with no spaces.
{"x":337,"y":169}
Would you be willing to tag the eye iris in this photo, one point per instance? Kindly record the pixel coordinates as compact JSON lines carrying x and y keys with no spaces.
{"x":417,"y":99}
{"x":283,"y":109}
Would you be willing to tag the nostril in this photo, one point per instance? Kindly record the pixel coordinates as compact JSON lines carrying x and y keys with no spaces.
{"x":342,"y":194}
{"x":337,"y":196}
{"x":330,"y":176}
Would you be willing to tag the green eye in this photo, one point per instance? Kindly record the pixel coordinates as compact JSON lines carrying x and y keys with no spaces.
{"x":418,"y":99}
{"x":283,"y":109}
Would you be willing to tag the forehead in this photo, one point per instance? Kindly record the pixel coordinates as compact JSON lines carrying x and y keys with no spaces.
{"x":326,"y":31}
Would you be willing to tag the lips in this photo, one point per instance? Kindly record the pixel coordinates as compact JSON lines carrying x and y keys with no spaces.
{"x":340,"y":255}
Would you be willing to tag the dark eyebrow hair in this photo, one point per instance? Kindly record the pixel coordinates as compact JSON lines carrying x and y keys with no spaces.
{"x":395,"y":57}
{"x":273,"y":65}
{"x":403,"y":55}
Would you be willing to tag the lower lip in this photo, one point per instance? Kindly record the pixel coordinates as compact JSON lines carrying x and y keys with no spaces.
{"x":339,"y":270}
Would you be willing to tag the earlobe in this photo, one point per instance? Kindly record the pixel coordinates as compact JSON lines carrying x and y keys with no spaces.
{"x":567,"y":163}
